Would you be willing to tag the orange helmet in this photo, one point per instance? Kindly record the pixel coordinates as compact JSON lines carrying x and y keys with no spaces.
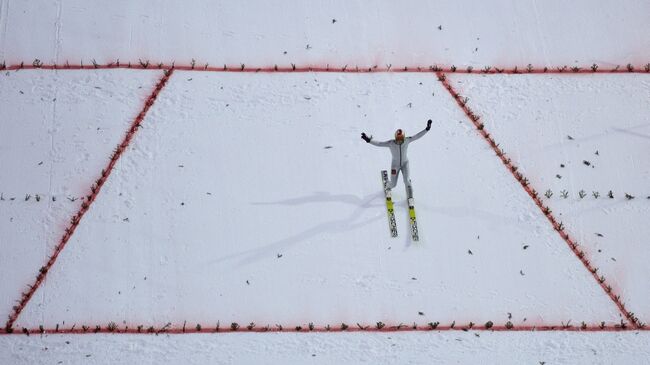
{"x":399,"y":135}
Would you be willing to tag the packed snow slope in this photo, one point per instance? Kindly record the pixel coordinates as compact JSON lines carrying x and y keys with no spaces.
{"x":58,"y":131}
{"x":332,"y":348}
{"x":249,"y":197}
{"x":336,"y":32}
{"x":584,"y":143}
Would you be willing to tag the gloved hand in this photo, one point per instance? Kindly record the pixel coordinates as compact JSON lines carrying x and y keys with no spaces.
{"x":365,"y":137}
{"x":428,"y":124}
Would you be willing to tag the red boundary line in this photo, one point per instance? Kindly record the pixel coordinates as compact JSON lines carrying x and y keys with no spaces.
{"x":557,"y":225}
{"x":85,"y":206}
{"x":378,"y":328}
{"x":488,"y":70}
{"x":440,"y":72}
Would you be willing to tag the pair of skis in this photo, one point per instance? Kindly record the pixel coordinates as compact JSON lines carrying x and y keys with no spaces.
{"x":392,"y":223}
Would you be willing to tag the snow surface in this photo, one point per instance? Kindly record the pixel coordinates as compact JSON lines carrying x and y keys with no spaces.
{"x":335,"y":32}
{"x":251,"y":197}
{"x":230,"y":171}
{"x":597,"y":126}
{"x":329,"y":348}
{"x":57,"y":132}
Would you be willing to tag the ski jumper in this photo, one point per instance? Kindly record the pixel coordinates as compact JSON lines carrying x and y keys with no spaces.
{"x":400,"y":161}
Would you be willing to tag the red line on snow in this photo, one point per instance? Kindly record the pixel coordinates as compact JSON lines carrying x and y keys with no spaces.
{"x":524,"y":182}
{"x":252,"y":328}
{"x":488,"y":70}
{"x":85,"y":206}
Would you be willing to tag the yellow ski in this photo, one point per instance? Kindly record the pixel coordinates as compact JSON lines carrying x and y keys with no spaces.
{"x":414,"y":224}
{"x":392,"y":223}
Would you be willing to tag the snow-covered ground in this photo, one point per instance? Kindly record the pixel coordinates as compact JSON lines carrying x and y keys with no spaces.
{"x":588,"y":134}
{"x":336,"y":32}
{"x":249,"y":197}
{"x":328,"y":348}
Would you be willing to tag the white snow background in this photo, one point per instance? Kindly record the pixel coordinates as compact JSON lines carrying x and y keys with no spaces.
{"x":249,"y":197}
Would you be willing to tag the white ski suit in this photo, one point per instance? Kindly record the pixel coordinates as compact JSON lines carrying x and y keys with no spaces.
{"x":400,"y":161}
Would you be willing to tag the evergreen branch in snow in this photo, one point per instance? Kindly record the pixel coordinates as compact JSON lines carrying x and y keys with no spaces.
{"x":111,"y":327}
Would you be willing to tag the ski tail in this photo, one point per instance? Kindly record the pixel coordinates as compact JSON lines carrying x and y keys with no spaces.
{"x":415,"y":235}
{"x":390,"y":209}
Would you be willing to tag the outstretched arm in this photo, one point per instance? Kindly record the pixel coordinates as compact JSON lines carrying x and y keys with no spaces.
{"x":422,"y":132}
{"x":374,"y":143}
